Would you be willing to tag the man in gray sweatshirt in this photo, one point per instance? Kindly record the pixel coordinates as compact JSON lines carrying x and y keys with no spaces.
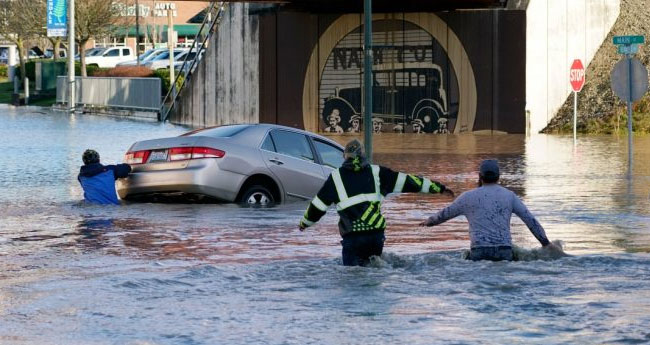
{"x":488,"y":210}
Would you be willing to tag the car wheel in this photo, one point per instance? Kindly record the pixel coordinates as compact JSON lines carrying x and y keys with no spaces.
{"x":257,"y":196}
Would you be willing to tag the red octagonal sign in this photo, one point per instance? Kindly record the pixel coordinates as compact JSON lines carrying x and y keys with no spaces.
{"x":577,"y":75}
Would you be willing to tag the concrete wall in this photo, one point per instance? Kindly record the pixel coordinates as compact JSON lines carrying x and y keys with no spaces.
{"x":557,"y":32}
{"x":224,"y":89}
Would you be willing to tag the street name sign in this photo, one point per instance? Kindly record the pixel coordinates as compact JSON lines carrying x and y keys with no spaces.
{"x":638,"y":39}
{"x":626,"y":49}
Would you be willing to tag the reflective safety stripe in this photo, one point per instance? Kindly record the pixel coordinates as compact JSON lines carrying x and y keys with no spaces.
{"x":319,"y":204}
{"x":372,"y":219}
{"x":307,"y":222}
{"x":368,"y":210}
{"x":345,"y":201}
{"x":380,"y":223}
{"x":426,"y":185}
{"x":399,"y":184}
{"x":375,"y":175}
{"x":338,"y":183}
{"x":357,"y":199}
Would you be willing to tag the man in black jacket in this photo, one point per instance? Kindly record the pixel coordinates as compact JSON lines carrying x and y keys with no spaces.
{"x":358,"y":188}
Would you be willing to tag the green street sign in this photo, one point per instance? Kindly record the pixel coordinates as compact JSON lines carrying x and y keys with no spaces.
{"x":629,"y":39}
{"x":628,"y":49}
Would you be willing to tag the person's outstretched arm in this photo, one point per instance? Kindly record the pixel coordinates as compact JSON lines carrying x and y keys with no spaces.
{"x":399,"y":182}
{"x":533,"y":225}
{"x":120,"y":170}
{"x":318,"y":206}
{"x":452,"y":211}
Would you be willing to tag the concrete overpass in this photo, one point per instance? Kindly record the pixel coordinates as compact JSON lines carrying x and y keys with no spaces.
{"x":445,"y":66}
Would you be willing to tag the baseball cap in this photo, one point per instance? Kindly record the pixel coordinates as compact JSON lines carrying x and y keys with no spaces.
{"x":489,"y":168}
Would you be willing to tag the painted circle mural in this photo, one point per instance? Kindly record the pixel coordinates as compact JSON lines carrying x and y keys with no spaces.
{"x":415,"y":88}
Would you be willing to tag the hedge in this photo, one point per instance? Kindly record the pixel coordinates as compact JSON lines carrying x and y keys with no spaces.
{"x":4,"y":71}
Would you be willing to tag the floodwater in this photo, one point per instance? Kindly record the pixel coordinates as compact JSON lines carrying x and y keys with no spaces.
{"x":72,"y":273}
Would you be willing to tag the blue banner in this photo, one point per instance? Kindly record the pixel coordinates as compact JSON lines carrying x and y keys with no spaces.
{"x":57,"y":18}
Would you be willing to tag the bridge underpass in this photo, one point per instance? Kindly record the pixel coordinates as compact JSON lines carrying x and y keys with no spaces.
{"x":440,"y":67}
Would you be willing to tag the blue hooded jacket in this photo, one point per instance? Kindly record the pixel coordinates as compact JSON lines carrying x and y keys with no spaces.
{"x":98,"y":182}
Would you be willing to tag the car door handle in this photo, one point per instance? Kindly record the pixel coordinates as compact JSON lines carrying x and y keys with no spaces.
{"x":276,"y":161}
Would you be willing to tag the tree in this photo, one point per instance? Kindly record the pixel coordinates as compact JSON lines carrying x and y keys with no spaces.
{"x":94,"y":19}
{"x":20,"y":21}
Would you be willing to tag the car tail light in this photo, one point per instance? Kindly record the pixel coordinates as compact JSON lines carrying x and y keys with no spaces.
{"x":206,"y":152}
{"x":180,"y":153}
{"x":185,"y":153}
{"x":137,"y":157}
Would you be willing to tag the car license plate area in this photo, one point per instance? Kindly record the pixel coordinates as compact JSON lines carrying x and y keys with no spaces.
{"x":158,"y":156}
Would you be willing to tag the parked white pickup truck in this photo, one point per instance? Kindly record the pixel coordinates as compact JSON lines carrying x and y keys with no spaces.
{"x":110,"y":57}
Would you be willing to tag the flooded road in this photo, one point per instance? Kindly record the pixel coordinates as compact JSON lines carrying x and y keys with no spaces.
{"x":72,"y":273}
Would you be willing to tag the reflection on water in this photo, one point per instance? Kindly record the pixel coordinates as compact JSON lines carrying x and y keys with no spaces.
{"x":141,"y":273}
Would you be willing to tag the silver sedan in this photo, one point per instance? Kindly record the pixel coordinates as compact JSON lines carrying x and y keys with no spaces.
{"x":254,"y":164}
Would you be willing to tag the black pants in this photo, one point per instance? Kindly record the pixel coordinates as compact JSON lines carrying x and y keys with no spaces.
{"x":358,"y":248}
{"x":498,"y":253}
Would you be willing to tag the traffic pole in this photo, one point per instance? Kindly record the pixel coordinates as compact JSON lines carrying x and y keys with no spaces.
{"x":629,"y":117}
{"x":367,"y":78}
{"x":71,"y":42}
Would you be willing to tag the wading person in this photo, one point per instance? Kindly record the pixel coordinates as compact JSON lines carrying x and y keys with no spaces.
{"x":357,"y":188}
{"x":488,"y":210}
{"x":98,"y":181}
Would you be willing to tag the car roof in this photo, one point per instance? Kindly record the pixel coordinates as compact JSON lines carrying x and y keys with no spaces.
{"x":269,"y":126}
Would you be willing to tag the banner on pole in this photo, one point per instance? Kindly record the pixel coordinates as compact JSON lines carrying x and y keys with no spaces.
{"x":57,"y":18}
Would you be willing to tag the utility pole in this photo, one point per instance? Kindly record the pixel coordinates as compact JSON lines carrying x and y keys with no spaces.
{"x":170,"y":44}
{"x":71,"y":34}
{"x":137,"y":32}
{"x":367,"y":78}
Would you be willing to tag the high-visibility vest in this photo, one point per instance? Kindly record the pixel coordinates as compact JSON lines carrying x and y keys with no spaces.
{"x":346,"y":201}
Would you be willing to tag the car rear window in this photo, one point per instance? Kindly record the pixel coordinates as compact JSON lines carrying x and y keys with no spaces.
{"x":218,"y":132}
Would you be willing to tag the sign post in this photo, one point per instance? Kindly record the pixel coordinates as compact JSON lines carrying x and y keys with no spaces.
{"x":577,"y":80}
{"x":71,"y":33}
{"x":629,"y":82}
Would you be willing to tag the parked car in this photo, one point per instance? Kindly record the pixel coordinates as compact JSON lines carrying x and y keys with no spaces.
{"x":110,"y":57}
{"x":178,"y":65}
{"x":161,"y":61}
{"x":49,"y":53}
{"x":145,"y":57}
{"x":256,"y":164}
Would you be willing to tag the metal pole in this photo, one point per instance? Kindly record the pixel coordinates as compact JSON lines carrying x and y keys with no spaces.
{"x":71,"y":42}
{"x":629,"y":117}
{"x":367,"y":78}
{"x":575,"y":117}
{"x":170,"y":44}
{"x":137,"y":32}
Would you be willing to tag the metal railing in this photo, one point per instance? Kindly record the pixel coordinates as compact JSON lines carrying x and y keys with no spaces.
{"x":211,"y":20}
{"x":114,"y":92}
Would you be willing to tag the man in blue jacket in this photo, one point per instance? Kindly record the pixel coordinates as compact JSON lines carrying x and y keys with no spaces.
{"x":98,"y":181}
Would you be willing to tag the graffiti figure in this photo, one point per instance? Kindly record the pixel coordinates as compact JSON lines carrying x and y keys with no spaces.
{"x":334,"y":119}
{"x":398,"y":128}
{"x":355,"y":124}
{"x":442,"y":126}
{"x":377,"y":124}
{"x":418,"y":126}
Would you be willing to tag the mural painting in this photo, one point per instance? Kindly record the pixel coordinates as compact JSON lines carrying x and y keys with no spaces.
{"x":415,"y":88}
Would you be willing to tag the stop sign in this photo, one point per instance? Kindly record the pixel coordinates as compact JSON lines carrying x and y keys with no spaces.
{"x":577,"y":75}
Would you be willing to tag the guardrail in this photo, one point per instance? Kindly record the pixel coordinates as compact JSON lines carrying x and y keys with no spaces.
{"x":114,"y":92}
